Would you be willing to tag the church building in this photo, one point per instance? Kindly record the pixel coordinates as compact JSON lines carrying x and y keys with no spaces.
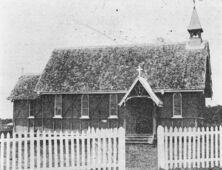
{"x":137,"y":87}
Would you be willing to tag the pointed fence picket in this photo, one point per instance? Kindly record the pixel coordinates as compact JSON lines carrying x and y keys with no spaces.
{"x":189,"y":147}
{"x":92,"y":149}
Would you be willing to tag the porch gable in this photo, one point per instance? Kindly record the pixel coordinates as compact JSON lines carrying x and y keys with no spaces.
{"x":146,"y":87}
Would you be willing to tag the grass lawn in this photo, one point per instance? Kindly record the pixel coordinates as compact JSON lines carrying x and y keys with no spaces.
{"x":141,"y":156}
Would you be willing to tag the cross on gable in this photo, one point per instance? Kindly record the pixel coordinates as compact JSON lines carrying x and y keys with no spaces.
{"x":139,"y":71}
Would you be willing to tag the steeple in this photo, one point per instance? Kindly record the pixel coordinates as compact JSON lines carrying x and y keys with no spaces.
{"x":195,"y":28}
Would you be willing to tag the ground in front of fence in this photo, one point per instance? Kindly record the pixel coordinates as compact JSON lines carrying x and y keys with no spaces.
{"x":141,"y":157}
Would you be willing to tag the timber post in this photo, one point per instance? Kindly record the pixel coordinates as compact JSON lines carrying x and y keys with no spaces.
{"x":160,"y":147}
{"x":154,"y":121}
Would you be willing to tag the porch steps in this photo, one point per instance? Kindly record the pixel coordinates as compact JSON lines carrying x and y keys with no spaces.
{"x":139,"y":139}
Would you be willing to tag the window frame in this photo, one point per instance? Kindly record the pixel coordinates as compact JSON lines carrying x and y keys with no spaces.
{"x":112,"y":116}
{"x":57,"y":116}
{"x":82,"y":108}
{"x":30,"y":110}
{"x":181,"y":105}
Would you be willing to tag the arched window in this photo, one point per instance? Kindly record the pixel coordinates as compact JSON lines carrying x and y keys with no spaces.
{"x":177,"y":105}
{"x":85,"y":106}
{"x":58,"y":106}
{"x":31,"y":122}
{"x":113,"y":106}
{"x":31,"y":108}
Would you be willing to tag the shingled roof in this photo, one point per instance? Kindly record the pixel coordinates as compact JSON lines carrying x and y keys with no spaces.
{"x":24,"y":88}
{"x":170,"y":66}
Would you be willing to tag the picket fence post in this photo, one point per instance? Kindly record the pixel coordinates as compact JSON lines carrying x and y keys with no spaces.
{"x":198,"y":147}
{"x":19,"y":151}
{"x":25,"y":150}
{"x":216,"y":146}
{"x":185,"y":134}
{"x":114,"y":146}
{"x":203,"y":147}
{"x":122,"y":148}
{"x":160,"y":147}
{"x":220,"y":132}
{"x":44,"y":157}
{"x":88,"y":148}
{"x":166,"y":146}
{"x":109,"y":152}
{"x":77,"y":149}
{"x":14,"y":151}
{"x":104,"y":150}
{"x":55,"y":150}
{"x":180,"y":147}
{"x":31,"y":149}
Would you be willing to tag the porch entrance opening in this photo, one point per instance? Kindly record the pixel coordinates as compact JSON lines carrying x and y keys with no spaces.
{"x":144,"y":118}
{"x":140,"y":120}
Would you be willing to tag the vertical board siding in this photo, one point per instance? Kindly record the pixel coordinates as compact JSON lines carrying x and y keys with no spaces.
{"x":189,"y":147}
{"x":90,"y":149}
{"x":43,"y":111}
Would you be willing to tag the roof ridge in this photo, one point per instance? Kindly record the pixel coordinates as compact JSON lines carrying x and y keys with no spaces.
{"x":122,"y":45}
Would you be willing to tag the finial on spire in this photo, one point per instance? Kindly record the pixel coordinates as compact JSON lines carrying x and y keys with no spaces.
{"x":139,"y":71}
{"x":194,"y":2}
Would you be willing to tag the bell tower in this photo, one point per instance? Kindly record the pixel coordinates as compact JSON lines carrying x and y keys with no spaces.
{"x":195,"y":29}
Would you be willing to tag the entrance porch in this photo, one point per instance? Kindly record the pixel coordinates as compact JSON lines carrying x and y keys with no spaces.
{"x":140,"y":120}
{"x":140,"y":105}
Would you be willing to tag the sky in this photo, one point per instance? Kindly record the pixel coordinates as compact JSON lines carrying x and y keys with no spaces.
{"x":30,"y":30}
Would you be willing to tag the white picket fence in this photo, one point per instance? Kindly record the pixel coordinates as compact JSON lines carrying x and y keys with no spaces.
{"x":189,"y":147}
{"x":93,"y":149}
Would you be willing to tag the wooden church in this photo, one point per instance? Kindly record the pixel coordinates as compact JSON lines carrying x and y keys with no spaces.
{"x":137,"y":87}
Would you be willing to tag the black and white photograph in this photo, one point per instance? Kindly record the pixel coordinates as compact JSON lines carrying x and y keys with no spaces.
{"x":110,"y":84}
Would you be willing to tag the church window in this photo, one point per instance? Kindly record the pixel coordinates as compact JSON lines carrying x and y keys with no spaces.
{"x":31,"y":117}
{"x":31,"y":109}
{"x":58,"y":106}
{"x":177,"y":105}
{"x":113,"y":106}
{"x":85,"y":106}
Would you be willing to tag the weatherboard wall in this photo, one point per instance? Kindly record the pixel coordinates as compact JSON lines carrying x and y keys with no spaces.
{"x":43,"y":111}
{"x":20,"y":115}
{"x":193,"y":104}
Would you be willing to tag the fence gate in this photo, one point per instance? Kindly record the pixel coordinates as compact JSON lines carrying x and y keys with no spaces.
{"x":189,"y":147}
{"x":94,"y":149}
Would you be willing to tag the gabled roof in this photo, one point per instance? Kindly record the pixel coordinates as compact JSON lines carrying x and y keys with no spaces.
{"x":24,"y":88}
{"x":148,"y":89}
{"x":170,"y":66}
{"x":194,"y":21}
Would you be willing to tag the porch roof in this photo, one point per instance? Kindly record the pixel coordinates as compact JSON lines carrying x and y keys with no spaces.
{"x":148,"y":89}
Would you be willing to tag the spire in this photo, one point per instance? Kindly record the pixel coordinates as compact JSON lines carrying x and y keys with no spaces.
{"x":194,"y":22}
{"x":195,"y":29}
